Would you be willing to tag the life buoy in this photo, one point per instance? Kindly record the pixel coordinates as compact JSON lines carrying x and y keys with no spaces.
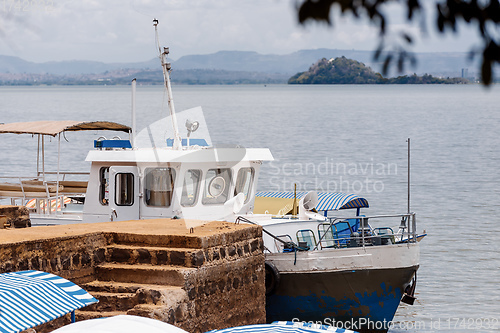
{"x":272,"y":278}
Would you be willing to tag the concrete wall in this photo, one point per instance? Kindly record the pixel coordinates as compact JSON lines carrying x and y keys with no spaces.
{"x":206,"y":280}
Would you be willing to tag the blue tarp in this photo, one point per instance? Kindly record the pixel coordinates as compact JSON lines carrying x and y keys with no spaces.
{"x":31,"y":298}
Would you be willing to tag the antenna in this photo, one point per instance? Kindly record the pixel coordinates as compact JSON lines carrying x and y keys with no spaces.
{"x":408,"y":175}
{"x":166,"y":77}
{"x":132,"y":135}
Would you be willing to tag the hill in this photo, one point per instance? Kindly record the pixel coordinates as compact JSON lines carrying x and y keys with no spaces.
{"x":337,"y":71}
{"x":347,"y":71}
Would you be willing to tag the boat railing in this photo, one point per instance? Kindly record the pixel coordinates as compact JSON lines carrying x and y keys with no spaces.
{"x":40,"y":195}
{"x":361,"y":233}
{"x":64,"y":174}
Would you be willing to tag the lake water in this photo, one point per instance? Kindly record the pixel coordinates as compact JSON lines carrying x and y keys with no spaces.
{"x":339,"y":138}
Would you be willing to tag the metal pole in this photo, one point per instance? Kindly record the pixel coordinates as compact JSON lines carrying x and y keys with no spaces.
{"x":58,"y":163}
{"x":414,"y":223}
{"x":408,"y":175}
{"x":43,"y":158}
{"x":38,"y":158}
{"x":132,"y":137}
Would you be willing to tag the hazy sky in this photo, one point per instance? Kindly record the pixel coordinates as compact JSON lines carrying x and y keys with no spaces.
{"x":122,"y":31}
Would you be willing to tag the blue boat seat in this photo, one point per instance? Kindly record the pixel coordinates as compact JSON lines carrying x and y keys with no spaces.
{"x":343,"y":231}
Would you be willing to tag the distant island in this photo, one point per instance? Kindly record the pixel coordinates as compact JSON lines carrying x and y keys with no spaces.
{"x":341,"y":70}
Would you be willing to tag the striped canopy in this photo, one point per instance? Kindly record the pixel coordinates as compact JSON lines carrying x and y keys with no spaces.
{"x":284,"y":327}
{"x":326,"y":200}
{"x":120,"y":324}
{"x":31,"y":298}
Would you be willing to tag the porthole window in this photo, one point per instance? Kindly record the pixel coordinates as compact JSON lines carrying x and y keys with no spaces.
{"x":217,"y":184}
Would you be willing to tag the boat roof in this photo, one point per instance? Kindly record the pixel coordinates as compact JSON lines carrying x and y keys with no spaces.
{"x":326,"y":201}
{"x":31,"y":298}
{"x":50,"y":127}
{"x":169,"y":155}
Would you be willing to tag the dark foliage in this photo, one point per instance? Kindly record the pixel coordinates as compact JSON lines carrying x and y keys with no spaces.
{"x":484,"y":13}
{"x":346,"y":71}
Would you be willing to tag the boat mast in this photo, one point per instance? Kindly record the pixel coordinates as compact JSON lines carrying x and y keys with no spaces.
{"x":166,"y":77}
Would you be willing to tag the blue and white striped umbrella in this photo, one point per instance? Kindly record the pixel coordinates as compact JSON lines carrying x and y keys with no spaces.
{"x":284,"y":327}
{"x":31,"y":298}
{"x":326,"y":200}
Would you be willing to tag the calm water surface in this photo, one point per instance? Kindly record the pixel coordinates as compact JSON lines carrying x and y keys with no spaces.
{"x":338,"y":138}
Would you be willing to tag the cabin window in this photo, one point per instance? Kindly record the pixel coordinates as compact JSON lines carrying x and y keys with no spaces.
{"x":190,"y":188}
{"x":244,"y":182}
{"x":124,"y":189}
{"x":104,"y":186}
{"x":159,"y":186}
{"x":217,"y":183}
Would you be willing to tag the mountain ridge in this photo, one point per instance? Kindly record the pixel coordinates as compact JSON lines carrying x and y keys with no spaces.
{"x":440,"y":64}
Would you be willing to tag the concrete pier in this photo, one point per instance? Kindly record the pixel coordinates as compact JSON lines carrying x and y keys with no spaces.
{"x":199,"y":279}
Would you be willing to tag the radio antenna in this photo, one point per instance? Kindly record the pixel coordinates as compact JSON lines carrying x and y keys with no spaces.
{"x":408,"y":175}
{"x":166,"y":66}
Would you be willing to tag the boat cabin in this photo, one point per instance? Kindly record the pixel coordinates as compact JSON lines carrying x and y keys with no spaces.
{"x":197,"y":183}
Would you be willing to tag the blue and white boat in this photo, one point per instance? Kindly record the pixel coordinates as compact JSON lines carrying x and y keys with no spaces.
{"x":349,"y":271}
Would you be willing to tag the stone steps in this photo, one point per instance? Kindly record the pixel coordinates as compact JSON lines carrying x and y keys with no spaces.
{"x":110,"y":302}
{"x":143,"y":310}
{"x":171,"y":241}
{"x":123,"y":297}
{"x":138,"y":293}
{"x":141,"y":279}
{"x":143,"y":274}
{"x":124,"y":287}
{"x":154,"y":276}
{"x":85,"y":315}
{"x":155,"y":255}
{"x":155,"y":312}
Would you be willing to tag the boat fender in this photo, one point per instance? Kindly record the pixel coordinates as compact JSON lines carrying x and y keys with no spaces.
{"x":272,"y":278}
